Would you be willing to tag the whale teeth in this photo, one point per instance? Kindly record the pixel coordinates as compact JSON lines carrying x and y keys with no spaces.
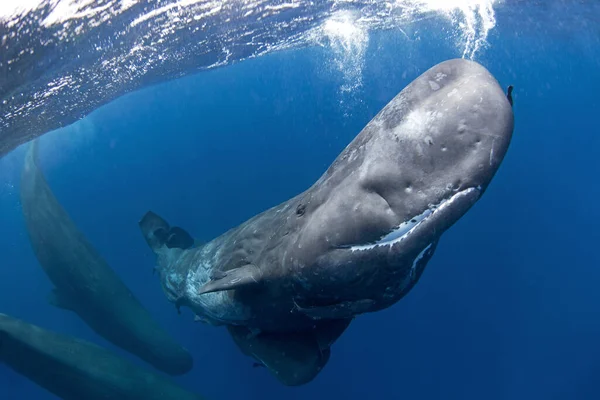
{"x":405,"y":228}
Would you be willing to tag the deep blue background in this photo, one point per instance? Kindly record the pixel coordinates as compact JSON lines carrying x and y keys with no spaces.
{"x":509,"y":307}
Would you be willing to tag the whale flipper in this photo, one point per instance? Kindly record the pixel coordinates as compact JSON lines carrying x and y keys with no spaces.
{"x":158,"y":233}
{"x":233,"y":279}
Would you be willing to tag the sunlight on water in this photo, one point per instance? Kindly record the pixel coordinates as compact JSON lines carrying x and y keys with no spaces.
{"x":348,"y":41}
{"x":80,"y":54}
{"x":346,"y":33}
{"x":475,"y":18}
{"x":10,"y":8}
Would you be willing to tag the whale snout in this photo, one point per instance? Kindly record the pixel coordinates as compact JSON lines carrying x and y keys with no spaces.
{"x":434,"y":149}
{"x":412,"y":172}
{"x":446,"y":132}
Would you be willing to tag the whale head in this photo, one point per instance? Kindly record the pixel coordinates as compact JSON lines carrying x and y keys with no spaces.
{"x":369,"y":225}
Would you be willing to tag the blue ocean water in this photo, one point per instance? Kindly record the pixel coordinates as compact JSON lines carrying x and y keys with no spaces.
{"x":508,"y":308}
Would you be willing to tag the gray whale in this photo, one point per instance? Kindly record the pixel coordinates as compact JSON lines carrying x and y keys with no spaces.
{"x":85,"y":284}
{"x":75,"y":369}
{"x":358,"y":240}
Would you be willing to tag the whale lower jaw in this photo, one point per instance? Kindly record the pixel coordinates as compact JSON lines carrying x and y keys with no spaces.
{"x":406,"y":228}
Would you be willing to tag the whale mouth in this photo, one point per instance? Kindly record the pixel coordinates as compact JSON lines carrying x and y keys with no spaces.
{"x":406,"y":228}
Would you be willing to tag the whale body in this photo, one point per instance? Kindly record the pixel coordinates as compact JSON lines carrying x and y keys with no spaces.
{"x":75,"y":369}
{"x":360,"y":237}
{"x":85,"y":283}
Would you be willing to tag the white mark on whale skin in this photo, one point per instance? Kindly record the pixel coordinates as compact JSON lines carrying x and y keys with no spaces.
{"x":418,"y":123}
{"x":434,"y":85}
{"x":175,"y":278}
{"x":452,"y":92}
{"x":439,"y":76}
{"x":412,"y":274}
{"x":406,"y":227}
{"x":413,"y":269}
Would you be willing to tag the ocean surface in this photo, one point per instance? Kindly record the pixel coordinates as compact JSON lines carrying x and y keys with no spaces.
{"x":210,"y":112}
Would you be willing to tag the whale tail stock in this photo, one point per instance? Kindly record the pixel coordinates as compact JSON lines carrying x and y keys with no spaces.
{"x":158,"y":233}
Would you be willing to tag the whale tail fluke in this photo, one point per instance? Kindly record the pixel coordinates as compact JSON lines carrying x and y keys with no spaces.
{"x":158,"y":233}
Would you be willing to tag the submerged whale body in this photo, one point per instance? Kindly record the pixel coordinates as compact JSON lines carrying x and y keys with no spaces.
{"x":76,"y":369}
{"x":357,"y":240}
{"x":85,"y":284}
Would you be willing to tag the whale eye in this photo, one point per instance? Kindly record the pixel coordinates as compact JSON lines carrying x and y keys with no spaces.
{"x":300,"y":210}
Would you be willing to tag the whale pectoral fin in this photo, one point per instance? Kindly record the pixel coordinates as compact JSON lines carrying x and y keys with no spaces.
{"x":59,"y":300}
{"x":293,"y":358}
{"x":233,"y":279}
